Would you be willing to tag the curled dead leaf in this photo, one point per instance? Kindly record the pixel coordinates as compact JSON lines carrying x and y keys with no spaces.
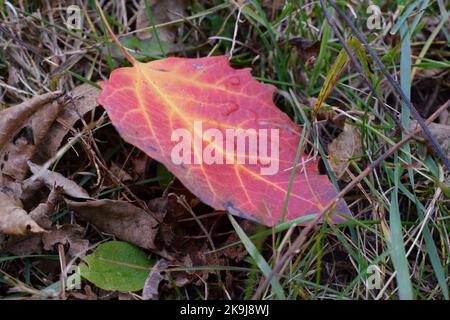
{"x":29,"y":244}
{"x":22,"y":130}
{"x":156,"y":275}
{"x":14,"y":220}
{"x":82,"y":100}
{"x":40,"y":215}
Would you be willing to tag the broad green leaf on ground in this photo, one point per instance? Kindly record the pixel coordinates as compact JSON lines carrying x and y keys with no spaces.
{"x":149,"y":101}
{"x":116,"y":266}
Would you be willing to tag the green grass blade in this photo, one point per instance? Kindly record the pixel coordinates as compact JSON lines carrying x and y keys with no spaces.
{"x":397,"y":246}
{"x":259,"y":259}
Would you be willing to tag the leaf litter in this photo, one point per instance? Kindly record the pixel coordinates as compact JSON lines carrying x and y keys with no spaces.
{"x":156,"y":227}
{"x":51,"y":191}
{"x":60,"y":198}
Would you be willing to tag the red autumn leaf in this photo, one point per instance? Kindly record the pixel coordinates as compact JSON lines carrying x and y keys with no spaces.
{"x":148,"y":102}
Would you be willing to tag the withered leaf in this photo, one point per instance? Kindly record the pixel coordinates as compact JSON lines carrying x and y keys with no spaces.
{"x":238,"y":252}
{"x":28,"y":244}
{"x":441,"y":131}
{"x":67,"y":234}
{"x":13,"y":219}
{"x":41,"y":213}
{"x":156,"y":275}
{"x":344,"y":148}
{"x":22,"y":129}
{"x":306,"y":49}
{"x":162,"y":11}
{"x":24,"y":245}
{"x":82,"y":100}
{"x":120,"y":218}
{"x":54,"y":179}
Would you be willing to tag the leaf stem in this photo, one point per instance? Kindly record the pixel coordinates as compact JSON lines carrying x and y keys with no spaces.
{"x":116,"y":40}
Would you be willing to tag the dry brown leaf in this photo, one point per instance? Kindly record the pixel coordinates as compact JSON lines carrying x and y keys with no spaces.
{"x":156,"y":275}
{"x":199,"y":256}
{"x":168,"y":211}
{"x":41,"y":213}
{"x":28,"y":244}
{"x":238,"y":252}
{"x":13,"y":219}
{"x":67,"y":234}
{"x":120,"y":218}
{"x":54,"y":179}
{"x":345,"y":147}
{"x":308,"y":50}
{"x":22,"y":129}
{"x":82,"y":100}
{"x":162,"y":11}
{"x":24,"y":245}
{"x":440,"y":131}
{"x":120,"y":173}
